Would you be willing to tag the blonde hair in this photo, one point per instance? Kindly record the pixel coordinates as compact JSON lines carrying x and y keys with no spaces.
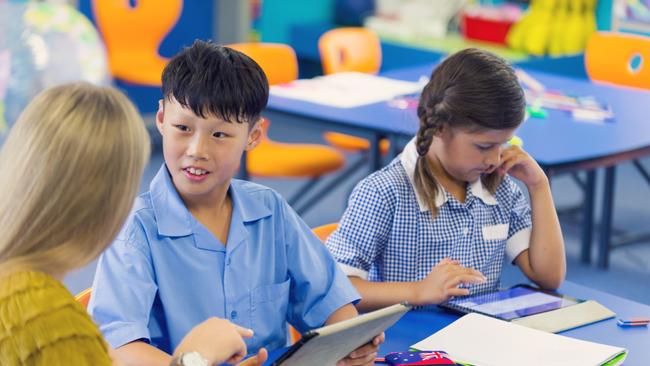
{"x":69,"y":171}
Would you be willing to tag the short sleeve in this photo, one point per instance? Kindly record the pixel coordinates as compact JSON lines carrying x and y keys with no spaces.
{"x":520,"y":226}
{"x":363,"y":231}
{"x":124,"y":288}
{"x":318,"y":286}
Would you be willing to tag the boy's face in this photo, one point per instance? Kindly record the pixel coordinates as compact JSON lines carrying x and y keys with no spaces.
{"x":465,"y":156}
{"x":202,"y":154}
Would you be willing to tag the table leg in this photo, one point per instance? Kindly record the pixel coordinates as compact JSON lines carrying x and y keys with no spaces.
{"x":588,"y":216}
{"x":606,"y":218}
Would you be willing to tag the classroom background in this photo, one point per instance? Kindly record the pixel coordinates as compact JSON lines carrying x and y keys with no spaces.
{"x":127,"y":43}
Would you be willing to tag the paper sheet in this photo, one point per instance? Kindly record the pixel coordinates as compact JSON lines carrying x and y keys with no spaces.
{"x":346,"y":90}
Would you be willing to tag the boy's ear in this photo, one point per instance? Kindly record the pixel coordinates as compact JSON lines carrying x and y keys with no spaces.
{"x":254,"y":136}
{"x":160,"y":115}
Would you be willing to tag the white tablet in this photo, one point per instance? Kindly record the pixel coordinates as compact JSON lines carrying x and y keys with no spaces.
{"x":512,"y":303}
{"x":331,"y":343}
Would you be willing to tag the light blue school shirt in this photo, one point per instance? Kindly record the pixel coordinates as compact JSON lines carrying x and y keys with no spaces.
{"x":387,"y":232}
{"x":165,"y":272}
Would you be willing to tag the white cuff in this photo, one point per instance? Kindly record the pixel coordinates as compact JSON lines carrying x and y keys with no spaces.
{"x":353,"y":271}
{"x":517,"y":243}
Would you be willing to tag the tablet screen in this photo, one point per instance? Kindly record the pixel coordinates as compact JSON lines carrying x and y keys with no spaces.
{"x":512,"y":303}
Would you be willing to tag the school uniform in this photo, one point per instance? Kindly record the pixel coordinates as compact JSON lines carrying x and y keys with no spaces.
{"x":387,"y":232}
{"x":166,"y":273}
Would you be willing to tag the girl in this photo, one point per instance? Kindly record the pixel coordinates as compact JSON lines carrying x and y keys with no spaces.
{"x":438,"y":220}
{"x":69,"y":172}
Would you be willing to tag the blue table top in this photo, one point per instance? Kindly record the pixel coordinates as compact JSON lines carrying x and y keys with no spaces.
{"x":554,"y":140}
{"x":417,"y":325}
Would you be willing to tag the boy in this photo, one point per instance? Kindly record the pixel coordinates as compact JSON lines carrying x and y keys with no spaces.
{"x":201,"y":244}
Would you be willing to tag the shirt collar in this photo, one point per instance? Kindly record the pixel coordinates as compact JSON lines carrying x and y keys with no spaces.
{"x":409,"y":158}
{"x":173,"y":217}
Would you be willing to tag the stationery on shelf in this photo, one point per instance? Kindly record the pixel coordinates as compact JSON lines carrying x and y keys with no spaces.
{"x":346,"y":89}
{"x":481,"y":340}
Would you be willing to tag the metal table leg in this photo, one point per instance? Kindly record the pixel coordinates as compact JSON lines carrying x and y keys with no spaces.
{"x":606,"y":218}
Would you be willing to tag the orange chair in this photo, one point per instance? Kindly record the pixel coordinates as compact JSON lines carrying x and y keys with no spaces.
{"x":133,"y":35}
{"x":277,"y":159}
{"x":324,"y":231}
{"x":84,"y":296}
{"x":608,"y":58}
{"x":350,"y":49}
{"x":278,"y":60}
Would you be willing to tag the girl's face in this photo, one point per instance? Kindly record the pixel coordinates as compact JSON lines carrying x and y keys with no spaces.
{"x":465,"y":156}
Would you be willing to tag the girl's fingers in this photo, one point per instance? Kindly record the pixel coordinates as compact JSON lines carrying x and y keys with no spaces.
{"x":454,"y":292}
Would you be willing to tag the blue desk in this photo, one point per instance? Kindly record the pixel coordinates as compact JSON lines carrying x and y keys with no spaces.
{"x":559,"y":143}
{"x":417,"y":325}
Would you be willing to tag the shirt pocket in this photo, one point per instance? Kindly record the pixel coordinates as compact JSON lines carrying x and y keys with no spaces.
{"x":268,"y":313}
{"x":492,"y":248}
{"x":495,"y":232}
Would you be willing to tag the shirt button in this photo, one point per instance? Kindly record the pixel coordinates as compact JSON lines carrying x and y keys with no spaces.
{"x":233,"y":314}
{"x":465,"y":231}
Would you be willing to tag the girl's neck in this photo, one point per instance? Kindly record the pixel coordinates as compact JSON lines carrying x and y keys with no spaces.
{"x":455,"y":187}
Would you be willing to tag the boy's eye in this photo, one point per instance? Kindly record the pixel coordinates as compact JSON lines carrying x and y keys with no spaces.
{"x":182,"y":128}
{"x":484,"y":147}
{"x":219,"y":135}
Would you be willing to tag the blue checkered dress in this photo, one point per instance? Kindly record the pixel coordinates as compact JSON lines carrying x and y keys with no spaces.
{"x":386,"y":234}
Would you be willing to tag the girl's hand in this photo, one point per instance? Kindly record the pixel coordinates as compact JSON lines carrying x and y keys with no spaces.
{"x":442,"y":282}
{"x":521,"y":166}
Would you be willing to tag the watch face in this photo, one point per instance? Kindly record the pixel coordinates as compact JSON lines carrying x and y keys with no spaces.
{"x":193,"y":359}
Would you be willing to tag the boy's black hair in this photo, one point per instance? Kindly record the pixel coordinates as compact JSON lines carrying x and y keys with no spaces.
{"x":214,"y":80}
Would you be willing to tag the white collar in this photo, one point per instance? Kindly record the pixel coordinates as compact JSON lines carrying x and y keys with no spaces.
{"x":409,"y":158}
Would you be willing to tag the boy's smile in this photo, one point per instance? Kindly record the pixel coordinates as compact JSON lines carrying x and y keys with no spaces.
{"x":202,"y":154}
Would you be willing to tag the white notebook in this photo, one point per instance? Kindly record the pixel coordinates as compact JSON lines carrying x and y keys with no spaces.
{"x":346,"y":89}
{"x":484,"y":341}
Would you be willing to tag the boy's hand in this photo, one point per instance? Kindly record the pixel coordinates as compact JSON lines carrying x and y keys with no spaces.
{"x":217,"y":340}
{"x":521,"y":166}
{"x":364,"y":355}
{"x":258,"y":360}
{"x":442,"y":282}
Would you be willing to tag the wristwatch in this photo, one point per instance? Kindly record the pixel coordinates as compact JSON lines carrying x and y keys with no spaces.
{"x":189,"y":359}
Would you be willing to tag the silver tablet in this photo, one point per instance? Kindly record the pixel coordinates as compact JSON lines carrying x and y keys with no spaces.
{"x":327,"y":345}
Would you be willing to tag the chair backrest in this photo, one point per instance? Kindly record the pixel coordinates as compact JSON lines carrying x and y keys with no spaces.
{"x":278,"y":60}
{"x":350,"y":49}
{"x":133,"y":35}
{"x":84,"y":297}
{"x":324,"y":231}
{"x":619,"y":58}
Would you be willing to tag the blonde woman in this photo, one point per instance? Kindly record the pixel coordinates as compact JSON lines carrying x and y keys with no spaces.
{"x":69,"y":173}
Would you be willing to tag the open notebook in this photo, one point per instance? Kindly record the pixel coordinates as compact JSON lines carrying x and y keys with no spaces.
{"x":485,"y":341}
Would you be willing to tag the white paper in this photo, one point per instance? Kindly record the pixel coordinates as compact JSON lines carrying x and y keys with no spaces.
{"x":484,"y":341}
{"x":346,"y":89}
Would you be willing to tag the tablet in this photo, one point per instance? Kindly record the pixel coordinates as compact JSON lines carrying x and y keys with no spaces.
{"x":331,"y":343}
{"x":512,"y":303}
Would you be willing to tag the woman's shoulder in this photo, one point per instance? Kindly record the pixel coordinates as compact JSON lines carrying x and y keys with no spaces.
{"x":40,"y":319}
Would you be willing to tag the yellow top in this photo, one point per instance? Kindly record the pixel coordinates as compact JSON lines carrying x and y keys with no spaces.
{"x":42,"y":324}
